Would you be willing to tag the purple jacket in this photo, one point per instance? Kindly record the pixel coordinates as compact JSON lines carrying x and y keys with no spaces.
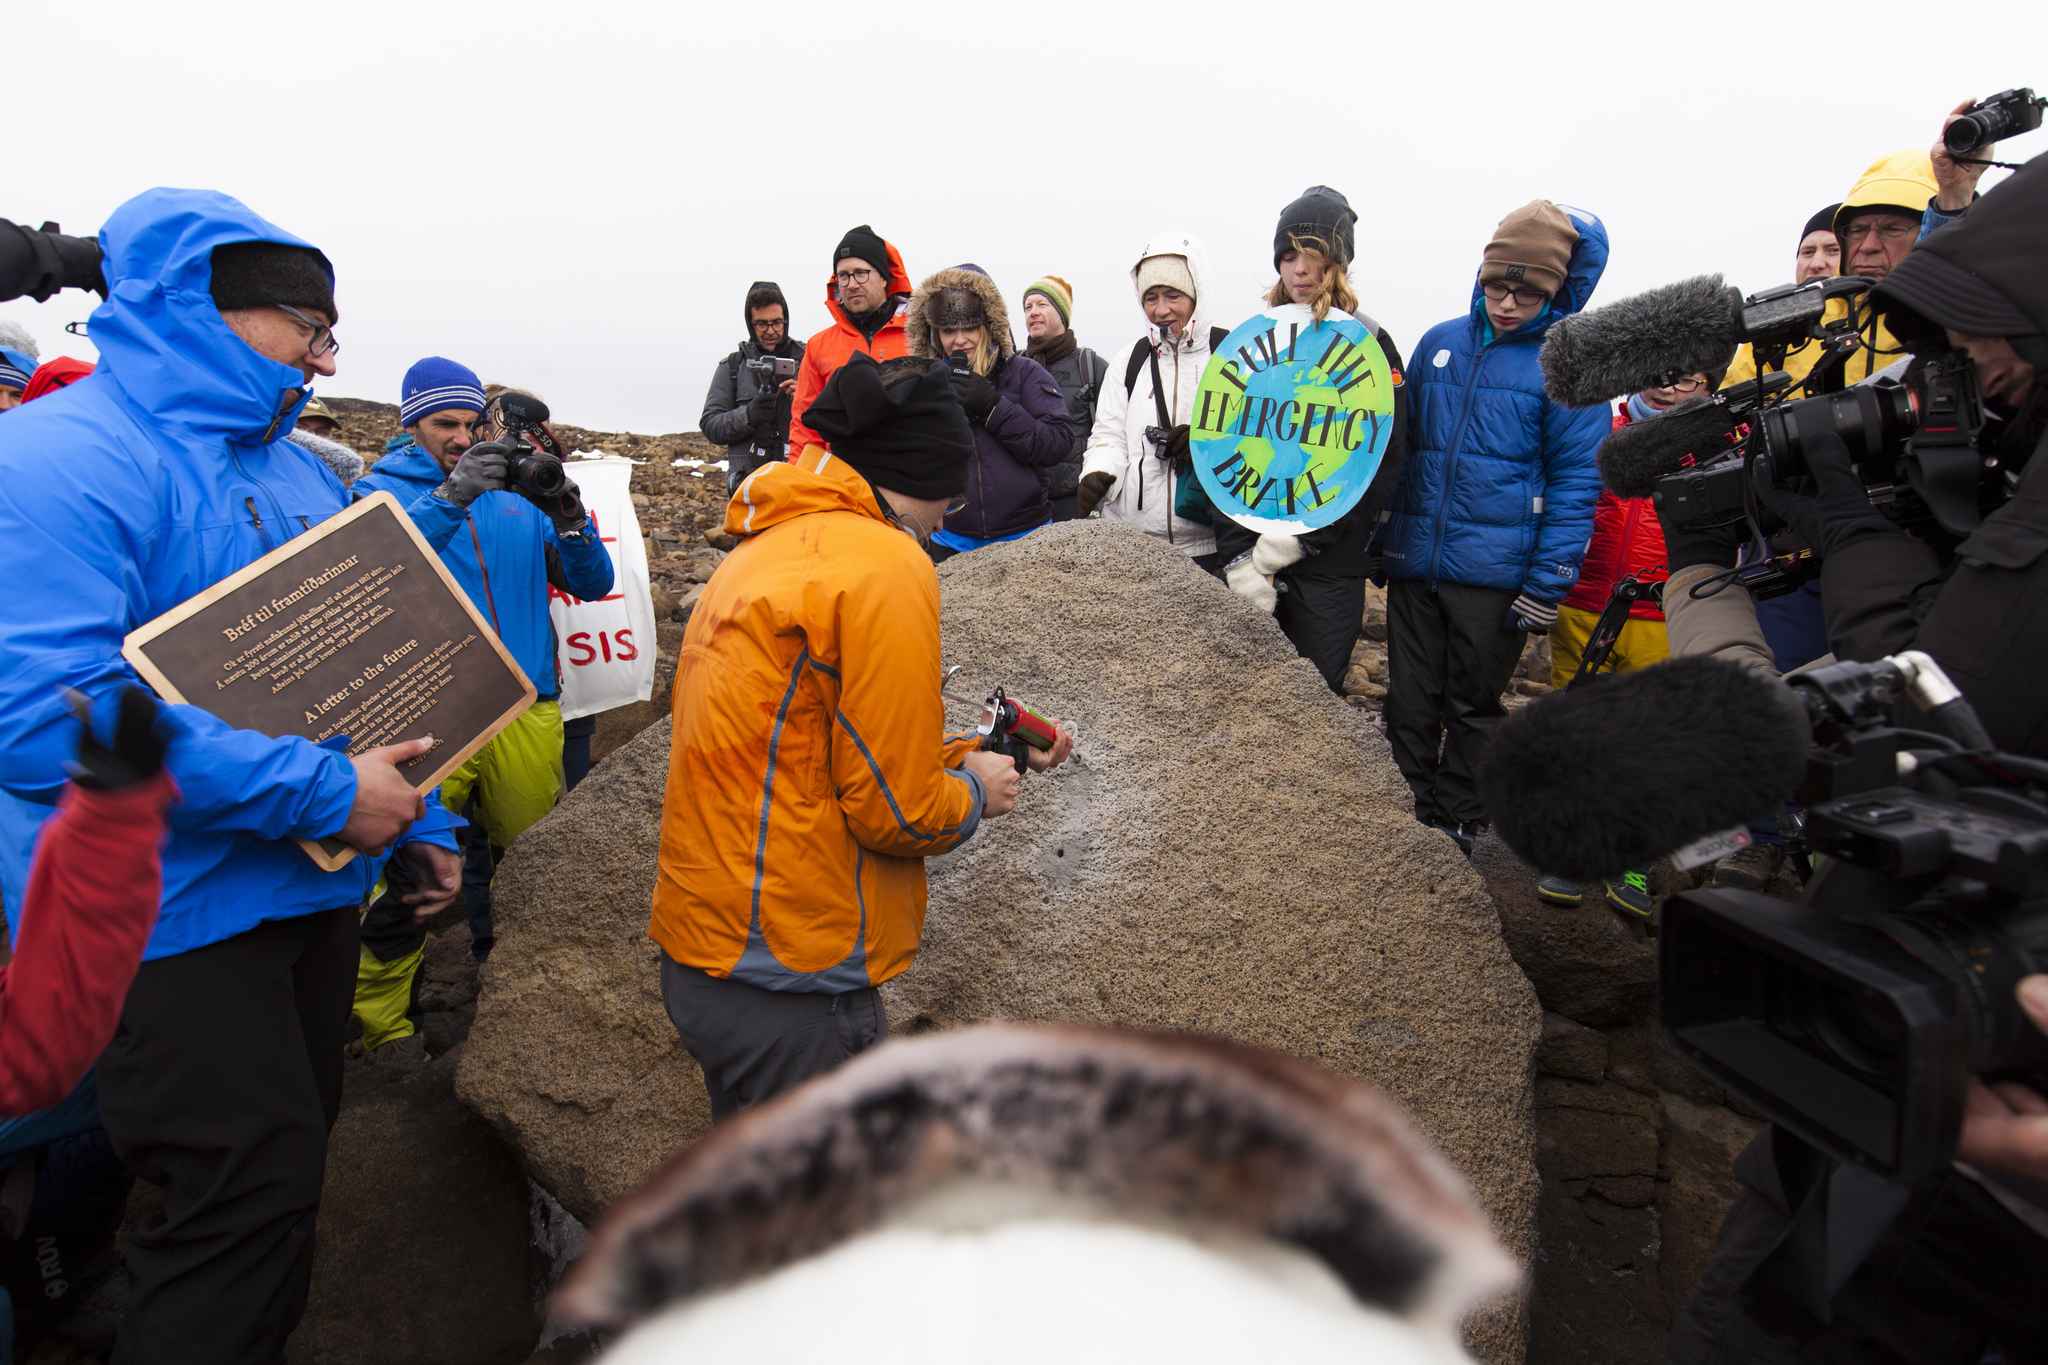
{"x":1026,"y":433}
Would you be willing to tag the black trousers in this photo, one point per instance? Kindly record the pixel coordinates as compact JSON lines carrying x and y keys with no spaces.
{"x":1954,"y":1275}
{"x":1321,"y":614}
{"x":754,"y":1044}
{"x":1448,"y":660}
{"x":220,"y":1086}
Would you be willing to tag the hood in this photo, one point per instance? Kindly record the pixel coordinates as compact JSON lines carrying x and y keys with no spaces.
{"x":917,"y":328}
{"x":346,"y":464}
{"x":1180,"y":244}
{"x":1986,"y":273}
{"x":1582,"y":274}
{"x":410,"y":463}
{"x":899,"y":283}
{"x":1903,"y":180}
{"x":782,"y":491}
{"x":52,"y":375}
{"x":159,"y":335}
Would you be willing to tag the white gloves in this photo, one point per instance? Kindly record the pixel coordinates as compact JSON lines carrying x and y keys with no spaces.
{"x":1252,"y":577}
{"x":1274,"y":553}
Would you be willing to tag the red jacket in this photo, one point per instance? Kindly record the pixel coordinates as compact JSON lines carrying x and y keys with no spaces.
{"x":91,"y":904}
{"x":1626,"y":539}
{"x":833,"y":347}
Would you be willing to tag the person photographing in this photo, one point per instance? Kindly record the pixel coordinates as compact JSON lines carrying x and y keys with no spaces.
{"x":809,"y":775}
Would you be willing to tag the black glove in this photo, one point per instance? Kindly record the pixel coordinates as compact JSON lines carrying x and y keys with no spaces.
{"x":761,"y":406}
{"x":1838,"y":512}
{"x":976,"y":394}
{"x":569,"y":515}
{"x":136,"y":754}
{"x":1092,"y":489}
{"x":484,"y":468}
{"x":1376,"y":565}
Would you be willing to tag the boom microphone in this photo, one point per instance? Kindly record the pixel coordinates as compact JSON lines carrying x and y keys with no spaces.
{"x":522,"y":408}
{"x":1589,"y":783}
{"x":1634,"y":457}
{"x":1642,"y":341}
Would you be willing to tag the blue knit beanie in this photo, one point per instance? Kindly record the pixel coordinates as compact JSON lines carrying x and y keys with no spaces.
{"x":15,"y":367}
{"x":437,"y":384}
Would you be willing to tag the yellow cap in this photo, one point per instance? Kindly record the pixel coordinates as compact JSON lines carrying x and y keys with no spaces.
{"x":1900,"y":180}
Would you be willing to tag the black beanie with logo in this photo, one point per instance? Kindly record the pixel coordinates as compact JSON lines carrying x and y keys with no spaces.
{"x":1322,"y":218}
{"x":909,"y":435}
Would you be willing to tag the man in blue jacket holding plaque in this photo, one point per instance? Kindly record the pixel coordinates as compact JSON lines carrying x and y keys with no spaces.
{"x":1484,"y":535}
{"x":122,"y":496}
{"x":506,"y":552}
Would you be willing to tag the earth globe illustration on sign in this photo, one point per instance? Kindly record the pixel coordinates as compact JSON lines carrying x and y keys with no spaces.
{"x":1292,"y":419}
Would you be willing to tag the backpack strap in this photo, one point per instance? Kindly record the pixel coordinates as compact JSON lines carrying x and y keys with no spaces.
{"x":1139,"y":353}
{"x":1217,"y":336}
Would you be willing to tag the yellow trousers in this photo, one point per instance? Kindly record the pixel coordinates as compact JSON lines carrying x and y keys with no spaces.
{"x":1641,"y":644}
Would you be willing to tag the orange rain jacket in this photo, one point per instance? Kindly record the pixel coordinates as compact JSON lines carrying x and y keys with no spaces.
{"x":833,"y":347}
{"x":809,"y":776}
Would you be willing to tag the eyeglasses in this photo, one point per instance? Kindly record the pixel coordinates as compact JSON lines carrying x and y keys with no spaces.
{"x":322,"y":341}
{"x":849,"y":278}
{"x":1524,"y":298}
{"x":1890,"y":232}
{"x":1684,"y":385}
{"x":956,"y":506}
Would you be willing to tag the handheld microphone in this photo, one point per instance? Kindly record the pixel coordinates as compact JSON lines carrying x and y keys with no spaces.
{"x":1642,"y":341}
{"x":1633,"y":458}
{"x":1592,"y":782}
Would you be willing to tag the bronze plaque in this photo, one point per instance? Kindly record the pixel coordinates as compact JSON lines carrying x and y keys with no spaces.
{"x":353,"y":629}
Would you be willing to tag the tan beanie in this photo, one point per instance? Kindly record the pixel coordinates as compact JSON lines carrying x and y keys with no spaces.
{"x":1171,"y":271}
{"x":1532,"y":245}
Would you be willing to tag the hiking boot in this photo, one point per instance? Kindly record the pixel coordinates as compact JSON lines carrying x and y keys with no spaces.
{"x":1559,"y":891}
{"x":402,"y":1054}
{"x":1465,"y":834}
{"x":1749,"y":869}
{"x":1630,"y":894}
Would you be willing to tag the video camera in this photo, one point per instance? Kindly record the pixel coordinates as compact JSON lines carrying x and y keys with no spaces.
{"x":1856,"y":1017}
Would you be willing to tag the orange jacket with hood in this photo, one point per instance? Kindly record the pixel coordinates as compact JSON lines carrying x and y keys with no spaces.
{"x":809,"y":776}
{"x":833,"y":347}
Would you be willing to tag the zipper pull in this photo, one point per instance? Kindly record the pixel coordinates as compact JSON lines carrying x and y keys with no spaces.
{"x":254,"y":515}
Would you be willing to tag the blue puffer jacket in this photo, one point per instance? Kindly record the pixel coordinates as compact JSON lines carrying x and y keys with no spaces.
{"x":1500,"y":483}
{"x":510,"y":587}
{"x":151,"y":479}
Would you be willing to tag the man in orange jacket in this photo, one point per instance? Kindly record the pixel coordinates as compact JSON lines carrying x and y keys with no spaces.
{"x":809,"y":776}
{"x":867,"y":296}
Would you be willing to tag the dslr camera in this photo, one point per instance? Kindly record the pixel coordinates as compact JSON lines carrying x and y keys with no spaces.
{"x":1856,"y":1018}
{"x":535,"y":466}
{"x":2005,"y":114}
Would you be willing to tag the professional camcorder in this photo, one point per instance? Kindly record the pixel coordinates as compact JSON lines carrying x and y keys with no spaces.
{"x":1855,"y":1018}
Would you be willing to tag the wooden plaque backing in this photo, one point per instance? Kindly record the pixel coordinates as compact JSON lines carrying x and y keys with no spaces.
{"x":354,"y":629}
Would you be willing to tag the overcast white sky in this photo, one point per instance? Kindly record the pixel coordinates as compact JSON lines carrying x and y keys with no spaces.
{"x":575,"y":197}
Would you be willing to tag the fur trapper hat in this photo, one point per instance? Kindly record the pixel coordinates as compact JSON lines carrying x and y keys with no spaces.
{"x":959,"y":296}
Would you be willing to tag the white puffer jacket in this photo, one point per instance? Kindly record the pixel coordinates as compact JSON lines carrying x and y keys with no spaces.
{"x":1143,"y":492}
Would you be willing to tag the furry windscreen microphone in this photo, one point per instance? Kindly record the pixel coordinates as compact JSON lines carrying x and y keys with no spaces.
{"x":523,"y":408}
{"x":1634,"y":457}
{"x":1632,"y":344}
{"x":1592,"y":782}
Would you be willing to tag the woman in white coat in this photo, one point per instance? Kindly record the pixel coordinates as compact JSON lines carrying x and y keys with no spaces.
{"x":1129,"y":468}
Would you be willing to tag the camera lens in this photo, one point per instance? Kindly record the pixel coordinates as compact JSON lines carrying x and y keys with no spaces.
{"x":1974,"y":130}
{"x":1871,"y":419}
{"x":1850,"y":1025}
{"x":1982,"y":959}
{"x":540,"y":474}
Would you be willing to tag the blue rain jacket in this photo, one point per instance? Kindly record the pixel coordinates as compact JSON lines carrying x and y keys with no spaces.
{"x":151,"y":479}
{"x":1500,"y":483}
{"x":510,"y":585}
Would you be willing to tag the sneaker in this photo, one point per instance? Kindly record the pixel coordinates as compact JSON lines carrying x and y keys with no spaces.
{"x":1558,"y":891}
{"x":1749,"y":869}
{"x":1630,"y":894}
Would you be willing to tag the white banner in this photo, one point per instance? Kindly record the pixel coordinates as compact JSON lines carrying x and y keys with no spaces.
{"x":606,"y":648}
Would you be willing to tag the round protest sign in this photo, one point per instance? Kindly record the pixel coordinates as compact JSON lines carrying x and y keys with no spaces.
{"x":1292,"y":419}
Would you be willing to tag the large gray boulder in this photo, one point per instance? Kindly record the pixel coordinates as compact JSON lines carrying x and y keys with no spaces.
{"x":1233,"y":852}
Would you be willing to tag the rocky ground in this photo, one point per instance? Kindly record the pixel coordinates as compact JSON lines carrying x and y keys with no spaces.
{"x":434,"y":1247}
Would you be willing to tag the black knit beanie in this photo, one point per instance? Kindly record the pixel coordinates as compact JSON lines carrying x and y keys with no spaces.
{"x":910,"y":436}
{"x":863,"y":243}
{"x":1321,"y":216}
{"x":256,"y":274}
{"x":1824,"y":221}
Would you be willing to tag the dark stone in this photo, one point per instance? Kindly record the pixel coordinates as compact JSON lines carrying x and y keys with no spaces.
{"x":1639,"y":1058}
{"x":1585,"y":962}
{"x":445,"y":1029}
{"x":422,"y":1254}
{"x":1571,"y":1049}
{"x":1597,"y":1298}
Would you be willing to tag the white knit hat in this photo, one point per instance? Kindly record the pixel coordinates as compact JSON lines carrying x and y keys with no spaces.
{"x":1171,"y":271}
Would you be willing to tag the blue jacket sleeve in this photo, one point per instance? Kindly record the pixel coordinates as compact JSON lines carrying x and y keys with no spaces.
{"x":76,"y":566}
{"x":585,"y":563}
{"x":437,"y":519}
{"x":1571,"y":488}
{"x":436,"y":827}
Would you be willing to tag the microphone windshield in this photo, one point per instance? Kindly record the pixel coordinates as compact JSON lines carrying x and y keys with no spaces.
{"x":1634,"y":457}
{"x":1611,"y":776}
{"x":1634,"y":343}
{"x":523,"y":408}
